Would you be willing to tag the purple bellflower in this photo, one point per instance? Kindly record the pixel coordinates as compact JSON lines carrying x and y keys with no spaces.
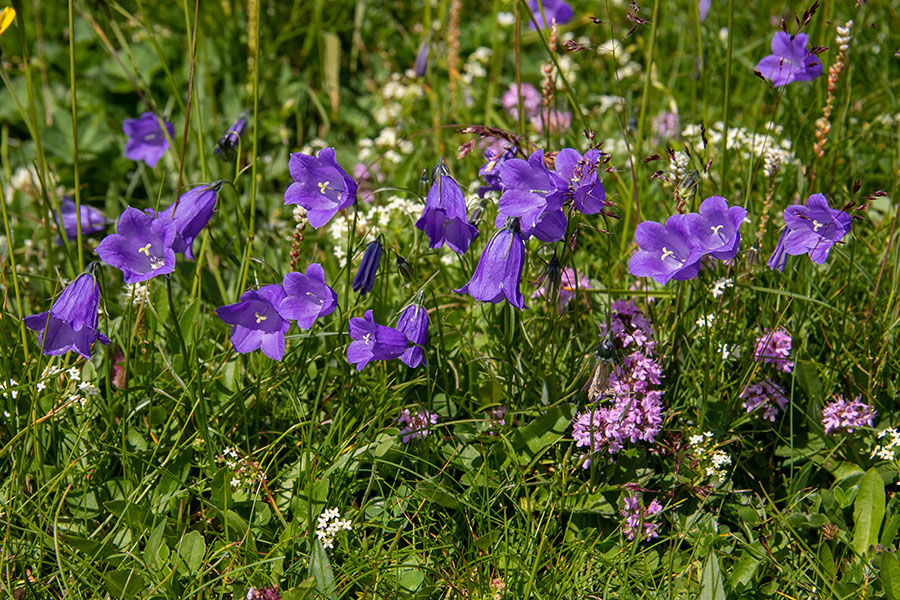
{"x":372,"y":341}
{"x":228,"y":144}
{"x":364,"y":279}
{"x":258,"y":325}
{"x":703,"y":6}
{"x":413,"y":322}
{"x":142,"y":246}
{"x":92,"y":220}
{"x":588,"y":195}
{"x":666,"y":251}
{"x":715,"y":227}
{"x":191,"y":214}
{"x":421,"y":66}
{"x":533,"y":194}
{"x":146,"y":139}
{"x":555,"y":11}
{"x":499,"y":271}
{"x":790,"y":60}
{"x":71,"y":323}
{"x":308,"y":296}
{"x":444,"y":219}
{"x":320,"y":186}
{"x":490,"y":171}
{"x":812,"y":229}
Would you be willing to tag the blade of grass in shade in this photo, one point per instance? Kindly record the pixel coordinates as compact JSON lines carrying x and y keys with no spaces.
{"x":15,"y":274}
{"x":75,"y":139}
{"x":253,"y":48}
{"x":645,"y":95}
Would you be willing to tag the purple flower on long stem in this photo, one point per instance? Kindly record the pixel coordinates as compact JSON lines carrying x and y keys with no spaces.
{"x":372,"y":341}
{"x":775,"y":347}
{"x":191,"y":214}
{"x":71,"y":323}
{"x":533,"y":194}
{"x":703,"y":6}
{"x":92,"y":220}
{"x":555,"y":11}
{"x":847,"y":415}
{"x":257,"y":323}
{"x":790,"y":60}
{"x":228,"y":143}
{"x":141,"y":247}
{"x":588,"y":195}
{"x":146,"y":139}
{"x":308,"y":297}
{"x":320,"y":186}
{"x":666,"y":251}
{"x":421,"y":66}
{"x":413,"y":323}
{"x":364,"y":279}
{"x":716,"y":227}
{"x":812,"y":229}
{"x":444,"y":218}
{"x":499,"y":271}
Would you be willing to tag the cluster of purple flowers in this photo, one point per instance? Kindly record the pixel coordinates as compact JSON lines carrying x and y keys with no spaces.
{"x":629,"y":327}
{"x":674,"y":250}
{"x":774,"y":347}
{"x":766,"y":396}
{"x":847,"y":415}
{"x":264,"y":593}
{"x":71,"y":323}
{"x":812,"y":229}
{"x":416,"y":425}
{"x":637,"y":518}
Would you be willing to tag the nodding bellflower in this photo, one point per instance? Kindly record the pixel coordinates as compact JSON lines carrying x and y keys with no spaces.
{"x":444,"y":219}
{"x":812,"y":229}
{"x":92,"y":220}
{"x":588,"y":195}
{"x":499,"y":271}
{"x":716,"y":227}
{"x":308,"y":296}
{"x":364,"y":279}
{"x":257,"y":323}
{"x":790,"y":60}
{"x":666,"y":251}
{"x":372,"y":341}
{"x":421,"y":66}
{"x":71,"y":323}
{"x":142,"y":246}
{"x":228,"y":144}
{"x":191,"y":214}
{"x":533,"y":194}
{"x":146,"y":139}
{"x":413,"y":323}
{"x":555,"y":11}
{"x":320,"y":186}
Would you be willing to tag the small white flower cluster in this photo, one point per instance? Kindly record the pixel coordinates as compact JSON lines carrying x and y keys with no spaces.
{"x":505,"y":19}
{"x":607,"y":102}
{"x":400,"y":89}
{"x":247,"y":474}
{"x":720,"y":285}
{"x":887,"y":448}
{"x":843,"y":36}
{"x":678,"y":163}
{"x":371,"y":217}
{"x":299,"y":214}
{"x":627,"y":67}
{"x":330,"y":523}
{"x":12,"y":383}
{"x":474,"y":68}
{"x":388,"y":144}
{"x":708,"y":320}
{"x":714,"y":462}
{"x":136,"y":293}
{"x":766,"y":146}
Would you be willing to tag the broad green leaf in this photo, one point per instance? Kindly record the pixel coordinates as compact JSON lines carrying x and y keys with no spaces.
{"x":890,"y":575}
{"x":711,"y":585}
{"x":302,"y":591}
{"x":124,"y":584}
{"x":320,"y":568}
{"x":744,"y":570}
{"x":156,"y":552}
{"x":191,"y":551}
{"x":868,"y":511}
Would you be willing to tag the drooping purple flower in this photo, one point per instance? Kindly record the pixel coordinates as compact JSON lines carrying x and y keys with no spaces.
{"x":766,"y":395}
{"x":141,"y":247}
{"x":191,"y":214}
{"x":812,"y":229}
{"x":490,"y":171}
{"x":666,"y":251}
{"x":533,"y":194}
{"x":555,"y":11}
{"x":779,"y":256}
{"x":413,"y":323}
{"x":364,"y":279}
{"x":569,"y":282}
{"x":258,"y":325}
{"x":716,"y":228}
{"x":847,"y":415}
{"x":637,"y":518}
{"x":92,"y":220}
{"x":146,"y":139}
{"x":308,"y":297}
{"x":421,"y":66}
{"x":320,"y":186}
{"x":71,"y":323}
{"x":588,"y":195}
{"x":228,"y":143}
{"x":703,"y":6}
{"x":372,"y":341}
{"x":499,"y":270}
{"x":531,"y":100}
{"x":774,"y":346}
{"x":444,"y":218}
{"x":790,"y":60}
{"x":417,"y":425}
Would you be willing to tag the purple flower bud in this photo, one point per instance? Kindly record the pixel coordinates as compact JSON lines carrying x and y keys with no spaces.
{"x":666,"y":252}
{"x":92,"y":220}
{"x":421,"y":66}
{"x":533,"y":194}
{"x":444,"y":218}
{"x":555,"y":11}
{"x":142,"y":246}
{"x":71,"y":324}
{"x":368,"y":267}
{"x":715,"y":228}
{"x":790,"y":60}
{"x":413,"y":322}
{"x":228,"y":143}
{"x":580,"y":172}
{"x":193,"y":211}
{"x":146,"y":139}
{"x":372,"y":341}
{"x":308,"y":296}
{"x":320,"y":186}
{"x":257,"y":321}
{"x":499,"y":271}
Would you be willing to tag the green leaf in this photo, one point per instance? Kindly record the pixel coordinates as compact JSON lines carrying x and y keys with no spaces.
{"x":124,"y":583}
{"x":156,"y":552}
{"x":868,"y":511}
{"x":744,"y":571}
{"x":711,"y":585}
{"x":320,"y":568}
{"x":438,"y":494}
{"x":302,"y":591}
{"x":890,"y":576}
{"x":191,"y":550}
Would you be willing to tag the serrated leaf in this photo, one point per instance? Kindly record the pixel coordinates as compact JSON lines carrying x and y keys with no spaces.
{"x":868,"y":511}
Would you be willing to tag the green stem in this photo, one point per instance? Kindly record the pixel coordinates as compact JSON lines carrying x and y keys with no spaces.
{"x":726,"y":116}
{"x":254,"y":33}
{"x":75,"y":138}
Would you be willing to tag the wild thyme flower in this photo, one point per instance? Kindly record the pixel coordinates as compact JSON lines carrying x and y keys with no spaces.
{"x":307,"y":296}
{"x":766,"y":396}
{"x":628,"y":326}
{"x":638,"y":519}
{"x":636,"y":374}
{"x":417,"y":425}
{"x":847,"y":415}
{"x":499,"y":271}
{"x":141,"y":247}
{"x":630,"y":418}
{"x":372,"y":341}
{"x":257,"y":324}
{"x":531,"y":100}
{"x":146,"y":139}
{"x":774,"y":347}
{"x":790,"y":60}
{"x":92,"y":220}
{"x":320,"y":186}
{"x":263,"y":593}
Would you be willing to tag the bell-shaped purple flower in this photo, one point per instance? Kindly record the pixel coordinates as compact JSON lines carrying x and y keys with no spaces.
{"x":812,"y":229}
{"x":531,"y":193}
{"x":372,"y":341}
{"x":413,"y":323}
{"x":308,"y":296}
{"x":146,"y":139}
{"x":666,"y":251}
{"x":779,"y":256}
{"x":228,"y":143}
{"x":588,"y":195}
{"x":421,"y":66}
{"x":71,"y":324}
{"x":716,"y":228}
{"x":555,"y":11}
{"x":92,"y":220}
{"x":364,"y":279}
{"x":142,"y":246}
{"x":320,"y":186}
{"x":790,"y":60}
{"x":191,"y":213}
{"x":444,"y":218}
{"x":490,"y":170}
{"x":703,"y":7}
{"x":257,"y":321}
{"x":499,"y":271}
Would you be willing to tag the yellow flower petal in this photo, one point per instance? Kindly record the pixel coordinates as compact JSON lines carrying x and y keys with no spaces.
{"x":7,"y":16}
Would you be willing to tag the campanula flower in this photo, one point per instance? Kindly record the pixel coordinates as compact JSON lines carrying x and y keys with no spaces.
{"x":490,"y":170}
{"x":790,"y":60}
{"x":257,"y":321}
{"x":533,"y":194}
{"x":588,"y":195}
{"x":421,"y":66}
{"x":499,"y":271}
{"x":142,"y":246}
{"x":413,"y":322}
{"x":192,"y":212}
{"x":92,"y":220}
{"x":555,"y":11}
{"x":703,"y":6}
{"x":320,"y":186}
{"x":812,"y":229}
{"x":228,"y":143}
{"x":71,"y":324}
{"x":716,"y":227}
{"x":146,"y":139}
{"x":372,"y":341}
{"x":368,"y":267}
{"x":666,"y":251}
{"x":444,"y":218}
{"x":308,"y":296}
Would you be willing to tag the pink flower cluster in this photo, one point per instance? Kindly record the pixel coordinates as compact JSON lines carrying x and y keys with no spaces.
{"x":775,"y":347}
{"x":637,"y":518}
{"x":418,"y":424}
{"x":767,"y":395}
{"x":628,"y":326}
{"x":846,"y":415}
